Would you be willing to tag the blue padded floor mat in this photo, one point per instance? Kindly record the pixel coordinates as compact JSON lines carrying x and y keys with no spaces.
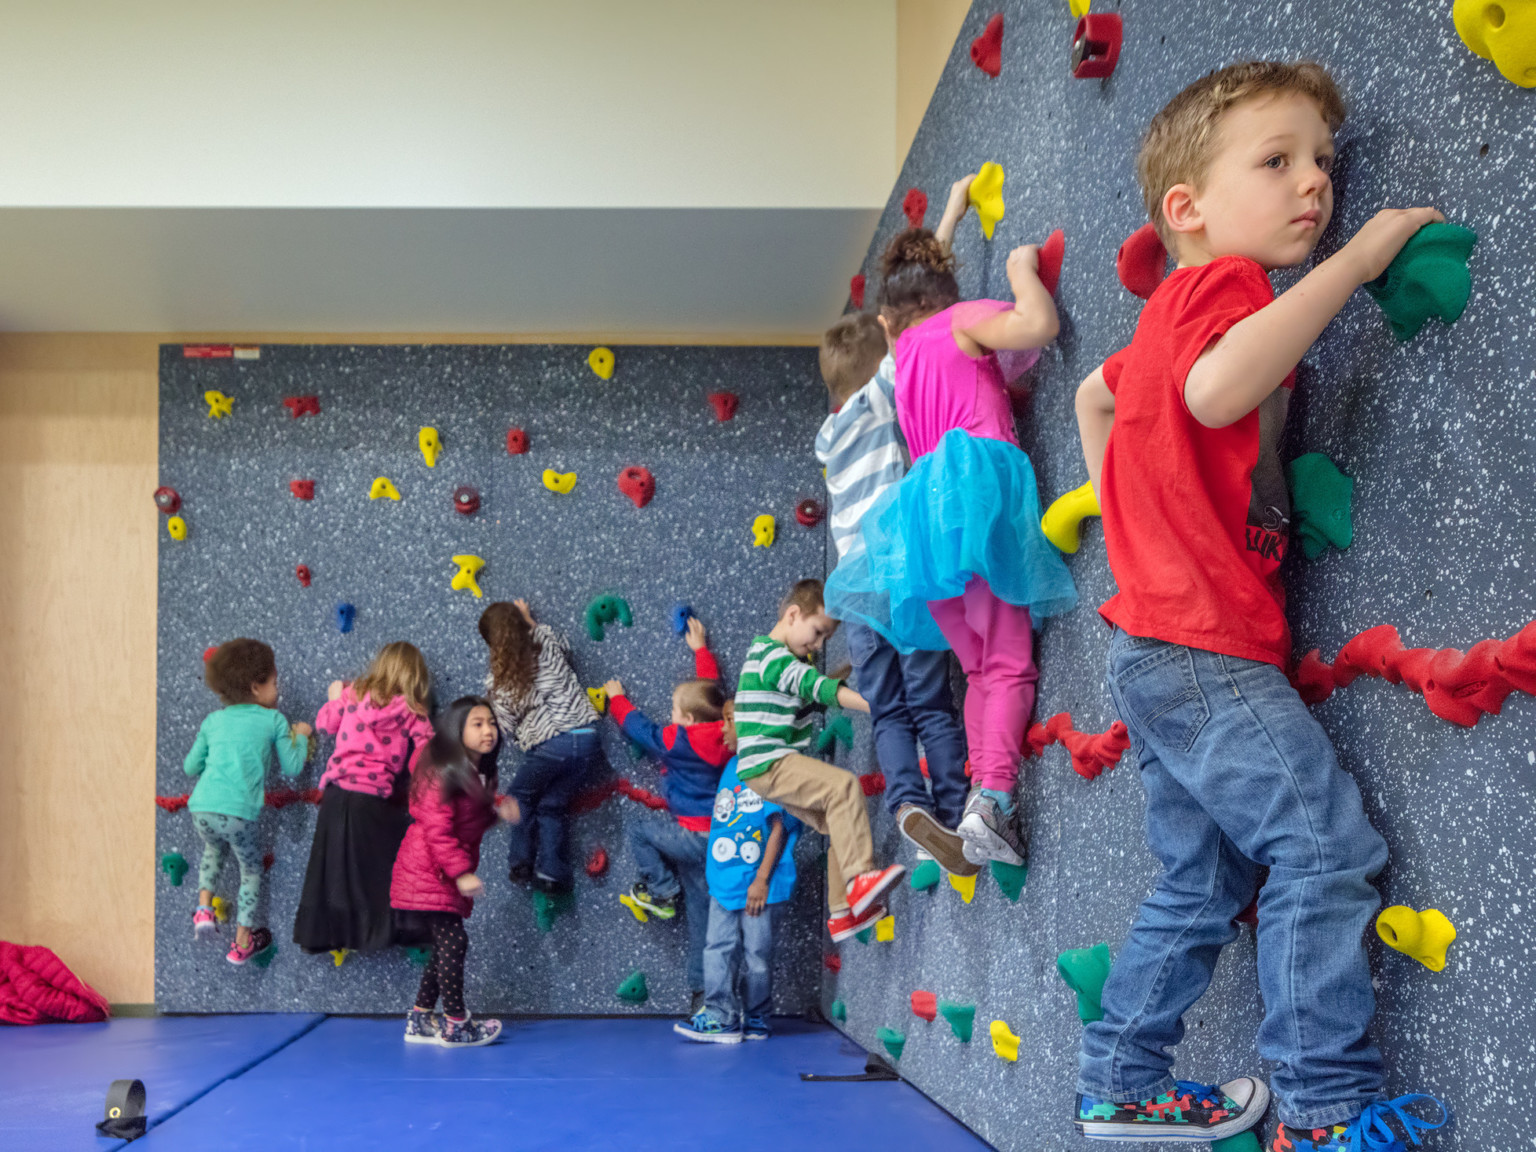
{"x":561,"y":1084}
{"x":55,"y":1076}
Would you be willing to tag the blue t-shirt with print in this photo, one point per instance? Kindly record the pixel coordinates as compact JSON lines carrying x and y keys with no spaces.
{"x":737,"y":836}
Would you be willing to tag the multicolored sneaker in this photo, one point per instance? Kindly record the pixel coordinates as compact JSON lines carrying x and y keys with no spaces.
{"x":920,"y":827}
{"x":756,"y":1028}
{"x":467,"y":1033}
{"x":867,"y":887}
{"x":661,"y":907}
{"x":1370,"y":1129}
{"x":422,"y":1026}
{"x":993,"y":834}
{"x":846,"y":924}
{"x":705,"y":1029}
{"x":1190,"y":1112}
{"x":204,"y":924}
{"x":238,"y":955}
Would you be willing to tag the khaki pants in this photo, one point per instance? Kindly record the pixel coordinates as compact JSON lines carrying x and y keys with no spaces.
{"x":831,"y":801}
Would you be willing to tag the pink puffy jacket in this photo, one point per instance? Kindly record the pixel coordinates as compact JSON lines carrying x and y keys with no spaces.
{"x":441,"y":845}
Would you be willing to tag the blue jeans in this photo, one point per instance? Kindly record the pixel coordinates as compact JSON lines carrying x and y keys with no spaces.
{"x":671,"y":860}
{"x":1238,"y":774}
{"x":739,"y":953}
{"x":546,"y":782}
{"x":910,"y":697}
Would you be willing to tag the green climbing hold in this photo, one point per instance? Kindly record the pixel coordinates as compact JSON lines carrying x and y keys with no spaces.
{"x":960,"y":1017}
{"x":837,"y":730}
{"x":1085,"y":970}
{"x":633,"y":990}
{"x":839,"y":1012}
{"x":174,"y":865}
{"x":635,"y":749}
{"x":925,"y":875}
{"x":863,"y":935}
{"x":1242,"y":1142}
{"x":419,"y":956}
{"x":893,"y":1040}
{"x":265,"y":957}
{"x":1320,"y":498}
{"x":1429,"y":277}
{"x":547,"y":905}
{"x":609,"y":609}
{"x":1010,"y":878}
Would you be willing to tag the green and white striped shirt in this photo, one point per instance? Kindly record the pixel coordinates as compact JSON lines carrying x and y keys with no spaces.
{"x":773,"y":695}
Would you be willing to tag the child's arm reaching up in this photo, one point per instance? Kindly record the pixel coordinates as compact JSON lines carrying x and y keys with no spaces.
{"x":954,"y":210}
{"x":705,"y":666}
{"x":1095,"y":418}
{"x":292,"y":744}
{"x":1031,"y":323}
{"x":632,"y":722}
{"x":757,"y":892}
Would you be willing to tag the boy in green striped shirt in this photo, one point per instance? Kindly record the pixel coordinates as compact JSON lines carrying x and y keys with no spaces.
{"x":773,"y":697}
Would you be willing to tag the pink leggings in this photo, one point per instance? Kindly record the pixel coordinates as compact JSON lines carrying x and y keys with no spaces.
{"x":993,"y":640}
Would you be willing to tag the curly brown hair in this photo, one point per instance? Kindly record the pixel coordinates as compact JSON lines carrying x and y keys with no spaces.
{"x":918,"y":279}
{"x":514,"y":651}
{"x":236,"y":666}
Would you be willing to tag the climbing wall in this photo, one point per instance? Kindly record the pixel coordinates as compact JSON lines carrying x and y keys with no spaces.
{"x":1438,"y":434}
{"x":246,"y":532}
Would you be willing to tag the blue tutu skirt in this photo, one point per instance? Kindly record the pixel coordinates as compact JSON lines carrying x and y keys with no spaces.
{"x":968,"y":508}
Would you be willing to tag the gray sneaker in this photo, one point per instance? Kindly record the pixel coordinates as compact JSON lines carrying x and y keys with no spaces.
{"x":990,"y":834}
{"x":920,"y":827}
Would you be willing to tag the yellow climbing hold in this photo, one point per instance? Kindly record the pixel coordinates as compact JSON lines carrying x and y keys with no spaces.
{"x":382,"y":487}
{"x":600,"y":360}
{"x":1079,"y":8}
{"x":338,"y":955}
{"x":561,"y":482}
{"x":1061,"y":519}
{"x":599,"y":698}
{"x":633,"y":905}
{"x":885,"y":929}
{"x":1004,"y":1042}
{"x":1423,"y":935}
{"x":762,"y":531}
{"x":219,"y":405}
{"x":430,"y":445}
{"x":221,"y":909}
{"x":1504,"y":33}
{"x":965,"y":885}
{"x":987,"y":196}
{"x":465,"y":576}
{"x":177,"y":527}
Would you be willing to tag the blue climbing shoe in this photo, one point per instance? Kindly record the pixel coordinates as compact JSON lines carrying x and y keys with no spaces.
{"x":1190,"y":1112}
{"x":1371,"y":1131}
{"x":756,"y":1028}
{"x":705,"y":1029}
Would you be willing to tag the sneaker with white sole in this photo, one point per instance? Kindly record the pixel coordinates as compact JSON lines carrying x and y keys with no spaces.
{"x":920,"y":827}
{"x":422,"y":1026}
{"x":661,"y":907}
{"x":705,"y":1029}
{"x":204,"y":924}
{"x":756,"y":1028}
{"x":1190,"y":1111}
{"x":845,"y":924}
{"x":868,"y":887}
{"x":992,"y":833}
{"x":467,"y":1033}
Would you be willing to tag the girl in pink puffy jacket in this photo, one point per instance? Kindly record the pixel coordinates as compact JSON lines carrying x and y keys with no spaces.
{"x":453,"y":803}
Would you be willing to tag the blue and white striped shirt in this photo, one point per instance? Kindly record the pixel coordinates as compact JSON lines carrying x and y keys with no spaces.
{"x":862,"y":448}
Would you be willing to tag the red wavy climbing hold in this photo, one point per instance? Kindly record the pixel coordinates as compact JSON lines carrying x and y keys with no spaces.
{"x":168,"y":500}
{"x":302,"y":406}
{"x":173,"y":803}
{"x":1091,"y":752}
{"x":1313,"y":679}
{"x":926,"y":1005}
{"x":724,"y":404}
{"x":638,"y":484}
{"x":280,"y":798}
{"x":1037,"y":740}
{"x":873,"y":783}
{"x":597,"y":863}
{"x":914,"y":205}
{"x":302,"y":489}
{"x":594,"y":798}
{"x":1516,"y":660}
{"x":1096,"y":45}
{"x":1051,"y":253}
{"x":856,"y":290}
{"x":302,"y":572}
{"x":641,"y":795}
{"x":809,"y":513}
{"x":517,"y":441}
{"x":1142,"y":262}
{"x":832,"y":962}
{"x":987,"y":49}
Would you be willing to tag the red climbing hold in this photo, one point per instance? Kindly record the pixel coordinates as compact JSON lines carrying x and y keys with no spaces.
{"x":1091,"y":752}
{"x":302,"y":489}
{"x":173,"y":803}
{"x":209,"y":651}
{"x":517,"y":441}
{"x":873,"y":783}
{"x":926,"y":1005}
{"x":168,"y":500}
{"x":302,"y":405}
{"x":466,"y":500}
{"x":1037,"y":740}
{"x":1313,"y":679}
{"x":597,"y":863}
{"x":809,"y":513}
{"x":915,"y":205}
{"x":267,"y":861}
{"x":856,"y":290}
{"x":1516,"y":660}
{"x":832,"y":962}
{"x":638,"y":484}
{"x":1142,"y":262}
{"x":1051,"y":253}
{"x":1096,"y":45}
{"x":302,"y":572}
{"x":724,"y":404}
{"x":987,"y":49}
{"x":282,"y":797}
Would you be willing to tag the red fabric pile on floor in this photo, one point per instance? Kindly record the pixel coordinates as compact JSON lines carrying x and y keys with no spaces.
{"x":36,"y":988}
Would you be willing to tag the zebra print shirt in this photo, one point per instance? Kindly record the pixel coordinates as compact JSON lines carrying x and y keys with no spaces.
{"x":557,"y":703}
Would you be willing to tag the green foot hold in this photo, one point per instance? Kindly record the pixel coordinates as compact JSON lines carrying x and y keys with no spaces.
{"x":608,"y":609}
{"x":863,"y":935}
{"x":633,"y":990}
{"x":1428,"y":278}
{"x":547,"y":906}
{"x":960,"y":1016}
{"x":1320,"y":499}
{"x":1010,"y":878}
{"x":419,"y":956}
{"x":837,"y":730}
{"x":925,"y":876}
{"x":839,"y":1012}
{"x":1085,"y":970}
{"x":1242,"y":1142}
{"x":265,"y":957}
{"x":174,"y":865}
{"x":893,"y":1040}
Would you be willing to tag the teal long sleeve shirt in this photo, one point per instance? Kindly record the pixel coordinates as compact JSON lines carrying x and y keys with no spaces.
{"x":231,"y":756}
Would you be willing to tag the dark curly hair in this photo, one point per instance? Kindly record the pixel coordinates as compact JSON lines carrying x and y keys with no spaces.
{"x":235,"y":666}
{"x":918,"y":279}
{"x":514,"y":651}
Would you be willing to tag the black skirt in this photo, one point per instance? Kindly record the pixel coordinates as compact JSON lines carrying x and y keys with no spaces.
{"x":345,"y":903}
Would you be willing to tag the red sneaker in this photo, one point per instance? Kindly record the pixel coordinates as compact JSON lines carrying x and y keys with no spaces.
{"x":868,"y":887}
{"x":845,"y":924}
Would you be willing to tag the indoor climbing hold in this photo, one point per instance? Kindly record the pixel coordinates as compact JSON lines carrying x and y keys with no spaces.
{"x":562,"y":482}
{"x":1242,"y":1142}
{"x":863,"y":935}
{"x":466,"y":500}
{"x":168,"y":500}
{"x":418,"y":955}
{"x":599,"y":699}
{"x":872,"y":783}
{"x":221,"y":909}
{"x":724,"y":404}
{"x":762,"y":531}
{"x":302,"y":572}
{"x":1085,"y":970}
{"x":810,"y":513}
{"x":1504,"y":33}
{"x":177,"y":527}
{"x":1004,"y":1042}
{"x":597,"y":862}
{"x":548,"y":905}
{"x":606,"y":609}
{"x":961,"y":1017}
{"x":1066,"y":512}
{"x":987,"y":49}
{"x":345,"y":614}
{"x":1429,"y":277}
{"x":914,"y":205}
{"x":832,"y":962}
{"x":1010,"y":877}
{"x":681,"y":614}
{"x":517,"y":442}
{"x":600,"y":360}
{"x":1423,"y":935}
{"x":1079,"y":8}
{"x":1050,"y":257}
{"x":209,"y":651}
{"x":856,"y":290}
{"x":464,"y":578}
{"x":965,"y":885}
{"x":893,"y":1040}
{"x":430,"y":446}
{"x":838,"y":729}
{"x":1320,"y":499}
{"x":219,"y":405}
{"x":633,"y":990}
{"x":885,"y":929}
{"x":302,"y":406}
{"x":382,"y":489}
{"x":264,"y":958}
{"x":1096,"y":45}
{"x":925,"y":874}
{"x":638,"y":484}
{"x":339,"y":956}
{"x":1142,"y":262}
{"x":925,"y":1004}
{"x":174,"y":865}
{"x":634,"y":906}
{"x":302,"y":489}
{"x":987,"y":196}
{"x":839,"y":1012}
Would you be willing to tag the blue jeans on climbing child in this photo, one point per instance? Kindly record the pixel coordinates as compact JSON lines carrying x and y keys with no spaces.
{"x":1237,"y":774}
{"x":670,"y":860}
{"x":546,"y":782}
{"x":910,"y":698}
{"x":220,"y":835}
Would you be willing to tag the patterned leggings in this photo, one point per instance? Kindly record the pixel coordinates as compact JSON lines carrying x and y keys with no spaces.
{"x":445,"y":971}
{"x":220,"y":834}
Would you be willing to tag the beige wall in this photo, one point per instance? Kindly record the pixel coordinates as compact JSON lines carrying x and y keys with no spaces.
{"x":925,"y":33}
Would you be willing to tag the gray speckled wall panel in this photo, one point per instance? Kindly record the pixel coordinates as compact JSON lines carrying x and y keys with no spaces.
{"x":234,"y":575}
{"x":1440,"y":436}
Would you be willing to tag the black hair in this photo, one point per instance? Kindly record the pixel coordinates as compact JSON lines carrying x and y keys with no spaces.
{"x":447,"y":764}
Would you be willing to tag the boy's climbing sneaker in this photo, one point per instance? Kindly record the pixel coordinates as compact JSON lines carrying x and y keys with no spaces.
{"x":422,"y":1026}
{"x":920,"y":827}
{"x":1372,"y":1129}
{"x":204,"y":924}
{"x":845,"y":924}
{"x":868,"y":887}
{"x":467,"y":1033}
{"x":992,"y":833}
{"x":755,"y":1028}
{"x":661,"y":907}
{"x":1190,"y":1112}
{"x":705,"y":1029}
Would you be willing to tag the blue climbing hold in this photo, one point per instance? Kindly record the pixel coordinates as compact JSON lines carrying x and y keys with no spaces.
{"x":681,"y":614}
{"x":345,"y":614}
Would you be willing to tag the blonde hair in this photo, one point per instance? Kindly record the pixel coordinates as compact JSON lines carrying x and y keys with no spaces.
{"x":850,"y":354}
{"x":1180,"y":143}
{"x":704,"y":700}
{"x":398,"y":670}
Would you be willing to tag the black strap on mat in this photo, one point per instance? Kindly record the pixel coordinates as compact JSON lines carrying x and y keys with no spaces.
{"x":125,"y":1111}
{"x":874,"y":1069}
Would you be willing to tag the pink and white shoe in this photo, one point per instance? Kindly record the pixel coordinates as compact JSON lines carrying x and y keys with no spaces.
{"x":204,"y":924}
{"x":238,"y":955}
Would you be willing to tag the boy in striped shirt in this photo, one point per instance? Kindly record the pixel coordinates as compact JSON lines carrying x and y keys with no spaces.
{"x":773,"y":698}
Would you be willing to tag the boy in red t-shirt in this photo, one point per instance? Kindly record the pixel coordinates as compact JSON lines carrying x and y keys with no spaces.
{"x":1179,"y":432}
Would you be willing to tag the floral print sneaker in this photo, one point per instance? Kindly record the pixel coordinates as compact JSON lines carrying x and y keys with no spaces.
{"x":1190,"y":1112}
{"x":422,"y":1026}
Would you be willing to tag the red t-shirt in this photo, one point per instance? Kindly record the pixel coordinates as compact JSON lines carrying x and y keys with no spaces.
{"x":1195,"y":518}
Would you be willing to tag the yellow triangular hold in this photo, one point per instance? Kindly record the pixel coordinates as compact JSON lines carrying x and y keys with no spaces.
{"x":430,"y":445}
{"x":383,"y":488}
{"x":1004,"y":1042}
{"x":338,"y":955}
{"x":465,"y":576}
{"x":965,"y":885}
{"x":987,"y":196}
{"x":885,"y":929}
{"x":1079,"y":8}
{"x":629,"y":902}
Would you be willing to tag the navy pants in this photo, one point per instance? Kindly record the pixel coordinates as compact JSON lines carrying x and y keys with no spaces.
{"x":671,"y":860}
{"x":546,"y":782}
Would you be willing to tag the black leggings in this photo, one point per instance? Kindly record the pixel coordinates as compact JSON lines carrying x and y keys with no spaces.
{"x":445,"y":971}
